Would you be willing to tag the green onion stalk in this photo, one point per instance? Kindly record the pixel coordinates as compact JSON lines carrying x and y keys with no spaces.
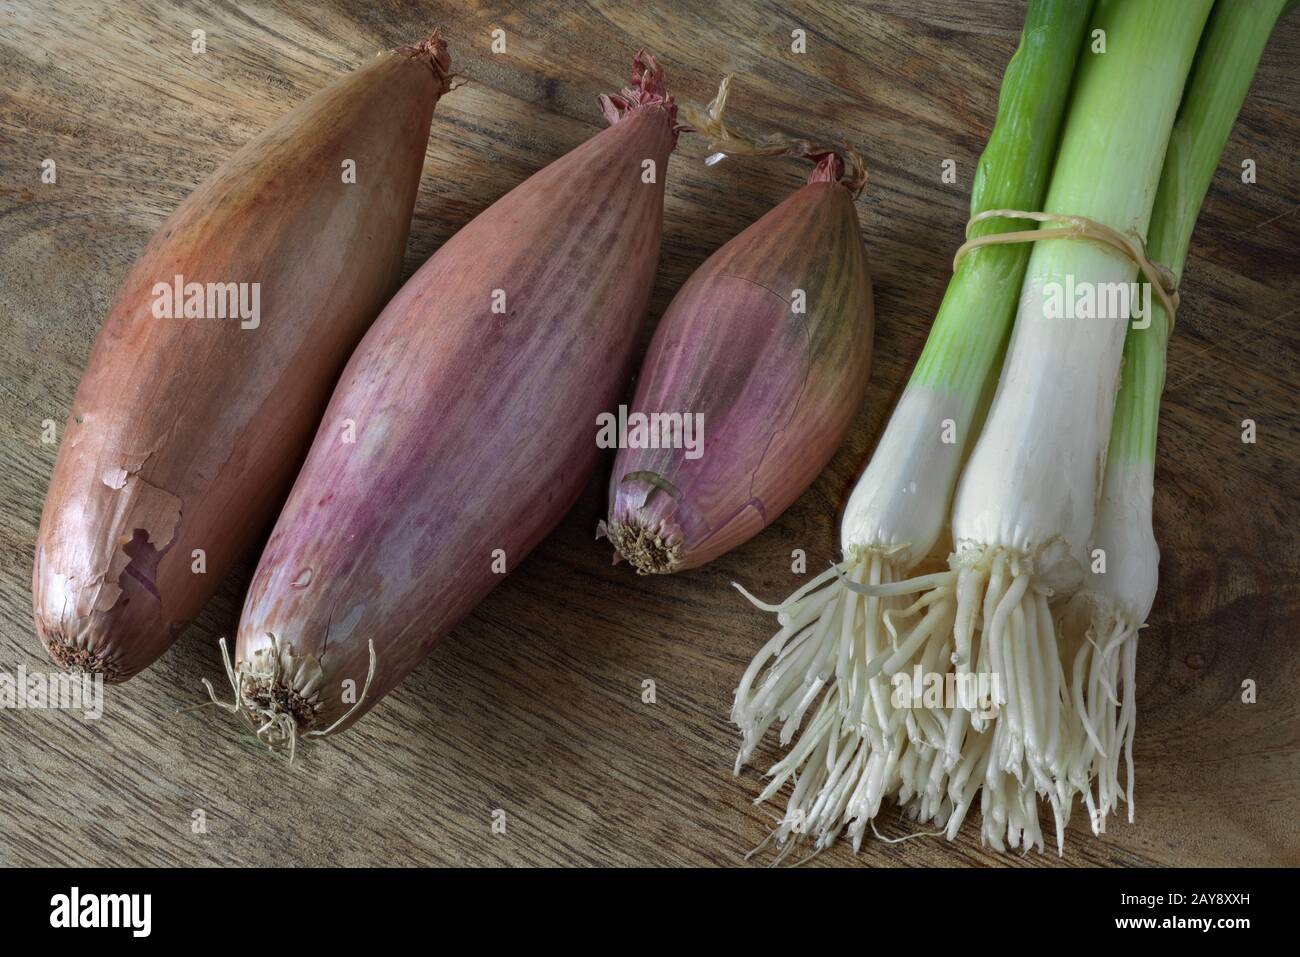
{"x":1099,"y":625}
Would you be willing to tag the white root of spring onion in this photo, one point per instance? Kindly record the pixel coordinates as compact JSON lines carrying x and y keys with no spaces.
{"x":858,"y":749}
{"x":1099,"y":627}
{"x":827,"y":638}
{"x":1017,"y":746}
{"x":1102,"y":646}
{"x":935,"y":763}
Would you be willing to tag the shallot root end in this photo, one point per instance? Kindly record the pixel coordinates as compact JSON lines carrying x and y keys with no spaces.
{"x":651,"y":551}
{"x":277,"y":694}
{"x":77,"y":660}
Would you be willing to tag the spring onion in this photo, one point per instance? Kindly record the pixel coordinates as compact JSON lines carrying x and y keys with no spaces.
{"x":1099,"y":625}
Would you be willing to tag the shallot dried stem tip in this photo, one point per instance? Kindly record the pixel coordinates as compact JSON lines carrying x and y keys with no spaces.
{"x":831,"y":163}
{"x":647,"y":90}
{"x":432,"y":51}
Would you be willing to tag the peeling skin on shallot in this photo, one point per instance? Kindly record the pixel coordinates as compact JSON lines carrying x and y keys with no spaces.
{"x":185,"y":432}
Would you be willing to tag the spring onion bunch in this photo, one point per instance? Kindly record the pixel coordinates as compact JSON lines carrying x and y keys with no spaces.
{"x":1021,"y":602}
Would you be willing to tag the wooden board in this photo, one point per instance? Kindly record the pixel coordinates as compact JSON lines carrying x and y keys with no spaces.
{"x":534,"y":704}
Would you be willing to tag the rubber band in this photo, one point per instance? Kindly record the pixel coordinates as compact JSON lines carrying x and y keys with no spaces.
{"x":1076,"y":227}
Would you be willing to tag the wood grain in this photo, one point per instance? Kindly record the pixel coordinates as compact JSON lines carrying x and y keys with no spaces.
{"x":534,"y":704}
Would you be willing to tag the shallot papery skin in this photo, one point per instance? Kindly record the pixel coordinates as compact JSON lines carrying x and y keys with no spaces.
{"x":462,"y":429}
{"x":185,"y":433}
{"x":774,"y":388}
